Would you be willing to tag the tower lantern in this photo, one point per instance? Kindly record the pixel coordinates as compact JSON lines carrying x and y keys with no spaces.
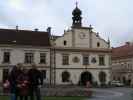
{"x":77,"y":19}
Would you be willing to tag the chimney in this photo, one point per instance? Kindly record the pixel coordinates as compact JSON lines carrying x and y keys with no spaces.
{"x":127,"y":43}
{"x":17,"y":27}
{"x":90,"y":28}
{"x":49,"y":30}
{"x":97,"y":34}
{"x":36,"y":29}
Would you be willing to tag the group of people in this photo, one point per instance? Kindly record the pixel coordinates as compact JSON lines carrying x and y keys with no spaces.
{"x":25,"y":83}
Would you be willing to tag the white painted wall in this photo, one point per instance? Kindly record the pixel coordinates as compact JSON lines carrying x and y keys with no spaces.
{"x":95,"y":40}
{"x":67,"y":36}
{"x":80,"y":63}
{"x":79,"y":67}
{"x":81,"y":42}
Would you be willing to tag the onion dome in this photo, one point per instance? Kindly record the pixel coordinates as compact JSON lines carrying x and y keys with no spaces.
{"x":76,"y":11}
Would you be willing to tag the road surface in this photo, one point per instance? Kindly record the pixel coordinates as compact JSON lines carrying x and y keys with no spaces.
{"x":120,"y":93}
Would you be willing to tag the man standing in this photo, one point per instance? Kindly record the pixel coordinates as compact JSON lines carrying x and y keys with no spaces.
{"x":16,"y":70}
{"x":36,"y":80}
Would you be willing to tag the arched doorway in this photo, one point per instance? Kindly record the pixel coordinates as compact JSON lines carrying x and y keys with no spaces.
{"x":65,"y":76}
{"x":85,"y":76}
{"x":102,"y":78}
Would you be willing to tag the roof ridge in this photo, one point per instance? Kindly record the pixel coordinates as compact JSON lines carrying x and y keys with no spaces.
{"x":24,"y":30}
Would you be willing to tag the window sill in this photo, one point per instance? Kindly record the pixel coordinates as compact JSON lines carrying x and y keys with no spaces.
{"x":6,"y":62}
{"x":65,"y":64}
{"x":43,"y":63}
{"x":102,"y":65}
{"x":86,"y":65}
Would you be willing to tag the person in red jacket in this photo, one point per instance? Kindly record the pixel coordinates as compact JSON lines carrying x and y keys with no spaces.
{"x":23,"y":85}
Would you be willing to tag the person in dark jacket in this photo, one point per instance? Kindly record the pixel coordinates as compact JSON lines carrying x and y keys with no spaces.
{"x":16,"y":70}
{"x":35,"y":80}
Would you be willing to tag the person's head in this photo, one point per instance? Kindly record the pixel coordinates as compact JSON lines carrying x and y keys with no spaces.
{"x":33,"y":66}
{"x":19,"y":66}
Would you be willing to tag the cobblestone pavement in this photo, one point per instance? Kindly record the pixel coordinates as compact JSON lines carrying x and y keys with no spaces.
{"x":120,"y":93}
{"x":112,"y":94}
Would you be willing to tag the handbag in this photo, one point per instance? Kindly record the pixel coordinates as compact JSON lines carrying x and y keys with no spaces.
{"x":6,"y":85}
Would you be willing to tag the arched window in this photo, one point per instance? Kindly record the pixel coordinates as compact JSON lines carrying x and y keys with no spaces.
{"x":98,"y":44}
{"x":65,"y":42}
{"x":65,"y":76}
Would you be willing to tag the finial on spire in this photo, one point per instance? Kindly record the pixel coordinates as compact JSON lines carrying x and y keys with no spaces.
{"x":76,"y":3}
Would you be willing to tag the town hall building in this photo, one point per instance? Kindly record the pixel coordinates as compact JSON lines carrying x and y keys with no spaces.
{"x":80,"y":55}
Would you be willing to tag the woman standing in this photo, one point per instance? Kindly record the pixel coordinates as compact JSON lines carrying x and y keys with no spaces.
{"x":23,"y":85}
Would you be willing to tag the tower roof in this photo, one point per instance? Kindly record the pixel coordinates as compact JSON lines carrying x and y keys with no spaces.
{"x":76,"y":11}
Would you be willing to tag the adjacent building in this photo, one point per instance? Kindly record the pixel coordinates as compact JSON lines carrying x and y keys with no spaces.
{"x":122,"y":63}
{"x":26,"y":47}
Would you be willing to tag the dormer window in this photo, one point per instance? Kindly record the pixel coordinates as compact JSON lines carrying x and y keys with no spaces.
{"x":98,"y":44}
{"x":65,"y":42}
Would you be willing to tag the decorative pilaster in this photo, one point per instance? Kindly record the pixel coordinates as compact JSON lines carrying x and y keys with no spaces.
{"x":90,"y":31}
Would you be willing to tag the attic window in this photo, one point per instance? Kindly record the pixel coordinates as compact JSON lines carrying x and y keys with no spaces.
{"x":65,"y":42}
{"x":98,"y":44}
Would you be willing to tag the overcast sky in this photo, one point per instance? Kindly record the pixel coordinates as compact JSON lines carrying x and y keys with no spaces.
{"x":111,"y":18}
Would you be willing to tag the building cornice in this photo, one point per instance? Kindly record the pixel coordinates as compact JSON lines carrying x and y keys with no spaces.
{"x":24,"y":46}
{"x":122,"y":57}
{"x":84,"y":68}
{"x":78,"y":49}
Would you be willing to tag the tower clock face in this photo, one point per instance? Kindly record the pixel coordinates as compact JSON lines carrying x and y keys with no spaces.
{"x":82,"y":35}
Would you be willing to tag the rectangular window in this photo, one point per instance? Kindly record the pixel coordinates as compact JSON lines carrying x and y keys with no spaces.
{"x":29,"y":58}
{"x":85,"y":60}
{"x":65,"y":60}
{"x":44,"y":74}
{"x":5,"y":74}
{"x":6,"y":57}
{"x":101,"y":60}
{"x":42,"y":58}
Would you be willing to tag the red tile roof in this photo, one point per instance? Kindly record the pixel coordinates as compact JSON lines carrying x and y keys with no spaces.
{"x":24,"y":37}
{"x":125,"y":51}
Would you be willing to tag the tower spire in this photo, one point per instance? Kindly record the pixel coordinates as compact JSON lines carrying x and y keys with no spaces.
{"x":108,"y":42}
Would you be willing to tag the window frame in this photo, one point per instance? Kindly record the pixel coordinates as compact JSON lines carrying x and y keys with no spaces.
{"x":29,"y":59}
{"x":101,"y":60}
{"x":65,"y":59}
{"x":42,"y":58}
{"x":84,"y":60}
{"x":5,"y":57}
